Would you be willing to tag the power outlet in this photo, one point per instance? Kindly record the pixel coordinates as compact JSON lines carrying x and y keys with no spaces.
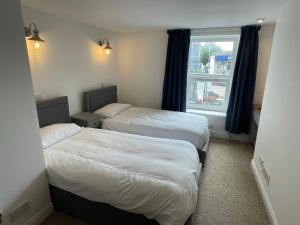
{"x":261,"y":160}
{"x":264,"y":170}
{"x":19,"y":211}
{"x":1,"y":217}
{"x":38,"y":97}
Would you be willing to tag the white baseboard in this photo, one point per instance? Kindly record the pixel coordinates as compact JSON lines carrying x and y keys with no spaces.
{"x":41,"y":215}
{"x":227,"y":136}
{"x":264,"y":194}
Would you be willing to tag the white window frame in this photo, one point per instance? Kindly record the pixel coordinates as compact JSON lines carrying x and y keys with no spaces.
{"x":214,"y":38}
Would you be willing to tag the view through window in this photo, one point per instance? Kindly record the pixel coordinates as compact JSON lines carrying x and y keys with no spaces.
{"x":211,"y":65}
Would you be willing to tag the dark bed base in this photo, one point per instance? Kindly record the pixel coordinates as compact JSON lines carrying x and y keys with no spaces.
{"x":203,"y":153}
{"x":202,"y":157}
{"x":95,"y":212}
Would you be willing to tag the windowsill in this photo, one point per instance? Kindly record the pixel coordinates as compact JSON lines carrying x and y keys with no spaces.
{"x":205,"y":112}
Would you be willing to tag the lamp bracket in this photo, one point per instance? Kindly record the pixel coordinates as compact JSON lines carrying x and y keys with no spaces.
{"x":103,"y":42}
{"x":28,"y":29}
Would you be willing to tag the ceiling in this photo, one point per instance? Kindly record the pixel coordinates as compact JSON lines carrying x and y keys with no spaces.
{"x":143,"y":15}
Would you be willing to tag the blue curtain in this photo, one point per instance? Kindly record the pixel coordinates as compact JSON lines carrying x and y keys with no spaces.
{"x":242,"y":91}
{"x":174,"y":90}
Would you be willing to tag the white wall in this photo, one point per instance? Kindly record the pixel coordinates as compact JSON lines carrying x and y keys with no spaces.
{"x":141,"y":65}
{"x":22,"y":172}
{"x":70,"y":61}
{"x":265,"y":46}
{"x":278,"y":134}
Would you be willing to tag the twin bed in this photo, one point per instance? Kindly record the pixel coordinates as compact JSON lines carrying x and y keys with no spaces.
{"x":150,"y":122}
{"x":108,"y":177}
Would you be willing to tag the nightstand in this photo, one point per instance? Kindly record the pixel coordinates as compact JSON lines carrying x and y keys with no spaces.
{"x":86,"y":119}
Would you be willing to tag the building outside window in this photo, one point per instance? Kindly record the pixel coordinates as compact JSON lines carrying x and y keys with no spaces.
{"x":211,"y":67}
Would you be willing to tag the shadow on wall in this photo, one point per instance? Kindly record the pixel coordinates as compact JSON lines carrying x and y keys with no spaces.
{"x":37,"y":56}
{"x":97,"y":53}
{"x":35,"y":189}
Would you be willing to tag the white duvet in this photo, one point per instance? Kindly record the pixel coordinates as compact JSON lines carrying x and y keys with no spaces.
{"x":151,"y":176}
{"x":161,"y":123}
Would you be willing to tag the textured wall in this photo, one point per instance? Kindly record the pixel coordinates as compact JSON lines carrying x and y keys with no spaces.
{"x":22,"y":169}
{"x":278,"y":134}
{"x":70,"y":61}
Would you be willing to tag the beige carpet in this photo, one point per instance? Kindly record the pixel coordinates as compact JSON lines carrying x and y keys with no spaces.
{"x":228,"y":193}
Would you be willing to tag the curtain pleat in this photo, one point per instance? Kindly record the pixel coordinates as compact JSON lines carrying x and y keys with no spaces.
{"x":242,"y":90}
{"x":175,"y":82}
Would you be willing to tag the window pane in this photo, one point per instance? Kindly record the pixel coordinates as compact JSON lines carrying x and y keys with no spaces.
{"x":211,"y":63}
{"x":211,"y":57}
{"x":209,"y":94}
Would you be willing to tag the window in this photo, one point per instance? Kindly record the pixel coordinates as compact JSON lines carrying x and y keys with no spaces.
{"x":211,"y":66}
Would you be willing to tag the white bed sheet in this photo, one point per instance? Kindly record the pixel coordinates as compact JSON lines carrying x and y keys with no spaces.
{"x":151,"y":176}
{"x":161,"y":123}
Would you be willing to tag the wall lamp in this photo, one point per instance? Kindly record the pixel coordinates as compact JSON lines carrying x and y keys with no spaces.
{"x":34,"y":33}
{"x":105,"y":45}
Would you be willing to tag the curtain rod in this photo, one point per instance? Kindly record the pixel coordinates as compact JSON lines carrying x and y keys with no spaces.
{"x":222,"y":29}
{"x":217,"y":30}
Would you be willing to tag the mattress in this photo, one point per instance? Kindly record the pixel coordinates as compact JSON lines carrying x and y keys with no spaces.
{"x":161,"y":123}
{"x":151,"y":176}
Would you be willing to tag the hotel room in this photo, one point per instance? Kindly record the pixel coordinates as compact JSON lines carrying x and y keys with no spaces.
{"x":149,"y":112}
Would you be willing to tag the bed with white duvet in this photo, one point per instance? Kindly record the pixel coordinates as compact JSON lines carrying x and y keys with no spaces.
{"x":151,"y":176}
{"x":156,"y":123}
{"x":147,"y":121}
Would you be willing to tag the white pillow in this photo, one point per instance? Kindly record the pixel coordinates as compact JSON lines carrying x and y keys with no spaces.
{"x":57,"y":132}
{"x":112,"y":110}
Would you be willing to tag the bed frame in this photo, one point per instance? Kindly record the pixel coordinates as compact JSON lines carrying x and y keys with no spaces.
{"x":57,"y":111}
{"x":98,"y":98}
{"x":53,"y":111}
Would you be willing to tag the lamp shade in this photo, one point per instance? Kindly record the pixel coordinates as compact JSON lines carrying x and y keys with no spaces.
{"x":36,"y":36}
{"x":107,"y":46}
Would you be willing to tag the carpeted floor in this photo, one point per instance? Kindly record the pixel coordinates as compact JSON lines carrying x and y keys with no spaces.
{"x":228,"y":193}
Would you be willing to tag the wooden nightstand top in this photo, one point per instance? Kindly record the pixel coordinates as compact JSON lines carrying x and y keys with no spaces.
{"x":86,"y":119}
{"x":87,"y":116}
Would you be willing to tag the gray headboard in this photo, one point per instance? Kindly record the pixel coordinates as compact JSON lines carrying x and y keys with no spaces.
{"x":96,"y":99}
{"x":53,"y":111}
